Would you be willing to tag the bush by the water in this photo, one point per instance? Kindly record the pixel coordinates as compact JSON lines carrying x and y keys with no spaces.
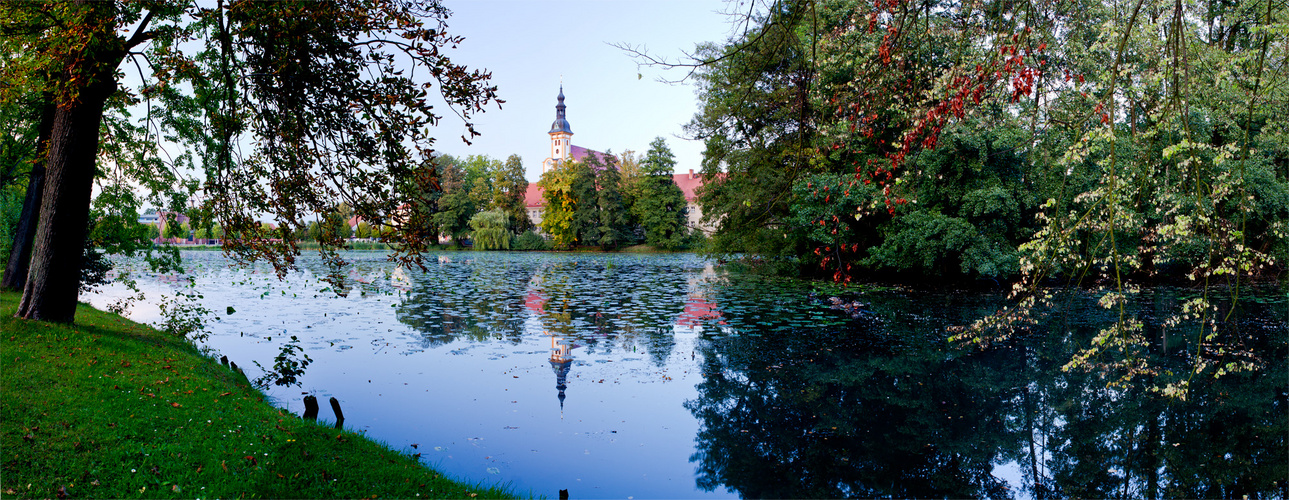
{"x":529,"y":241}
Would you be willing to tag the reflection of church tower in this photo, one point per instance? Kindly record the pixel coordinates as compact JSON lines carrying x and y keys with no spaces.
{"x":561,"y":136}
{"x":561,"y":361}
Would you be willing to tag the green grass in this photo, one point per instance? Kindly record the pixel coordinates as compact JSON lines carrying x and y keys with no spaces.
{"x":108,"y":408}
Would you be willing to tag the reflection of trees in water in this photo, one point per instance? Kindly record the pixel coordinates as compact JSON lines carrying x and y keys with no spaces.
{"x":793,"y":415}
{"x":1228,"y":438}
{"x":893,"y":411}
{"x":463,"y":300}
{"x":602,"y":307}
{"x":599,"y":305}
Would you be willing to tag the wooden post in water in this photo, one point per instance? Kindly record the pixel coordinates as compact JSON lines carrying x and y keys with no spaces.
{"x":310,"y":408}
{"x":340,"y":416}
{"x":223,"y":360}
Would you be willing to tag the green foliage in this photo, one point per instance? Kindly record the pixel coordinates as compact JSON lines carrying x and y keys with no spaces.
{"x":480,"y":170}
{"x":363,"y":230}
{"x":510,"y":186}
{"x":557,"y":221}
{"x":10,"y":207}
{"x":614,"y":216}
{"x":931,"y":243}
{"x":490,"y":231}
{"x":586,"y":206}
{"x":661,"y":208}
{"x":334,"y":227}
{"x":952,"y":132}
{"x":455,"y":207}
{"x":288,"y":366}
{"x":1096,"y":144}
{"x":529,"y":241}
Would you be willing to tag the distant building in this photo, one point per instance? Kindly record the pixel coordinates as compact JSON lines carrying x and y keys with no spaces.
{"x":562,"y":148}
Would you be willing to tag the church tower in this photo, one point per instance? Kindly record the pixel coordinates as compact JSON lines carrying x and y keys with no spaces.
{"x":561,"y":136}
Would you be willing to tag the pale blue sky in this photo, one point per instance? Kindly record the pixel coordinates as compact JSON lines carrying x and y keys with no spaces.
{"x":529,"y":44}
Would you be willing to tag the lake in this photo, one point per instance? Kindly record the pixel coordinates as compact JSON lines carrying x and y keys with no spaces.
{"x":668,"y":376}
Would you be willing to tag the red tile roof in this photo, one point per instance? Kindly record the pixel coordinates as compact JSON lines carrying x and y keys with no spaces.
{"x":533,"y":197}
{"x":580,"y":153}
{"x":688,"y":183}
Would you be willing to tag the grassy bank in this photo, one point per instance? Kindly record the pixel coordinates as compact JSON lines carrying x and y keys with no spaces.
{"x":109,"y":408}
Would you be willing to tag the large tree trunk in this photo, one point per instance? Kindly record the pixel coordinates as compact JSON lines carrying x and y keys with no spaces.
{"x":54,"y":279}
{"x":15,"y":273}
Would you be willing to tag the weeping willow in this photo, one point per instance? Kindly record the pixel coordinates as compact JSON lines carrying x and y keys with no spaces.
{"x":490,"y":230}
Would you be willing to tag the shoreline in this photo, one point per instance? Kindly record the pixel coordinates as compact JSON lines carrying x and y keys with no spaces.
{"x":107,"y":407}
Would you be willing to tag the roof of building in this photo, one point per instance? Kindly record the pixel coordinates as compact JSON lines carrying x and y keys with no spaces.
{"x":688,"y":184}
{"x":580,"y":153}
{"x":561,"y":123}
{"x":533,"y":197}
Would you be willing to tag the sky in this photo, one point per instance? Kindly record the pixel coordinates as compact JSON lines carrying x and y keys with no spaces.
{"x":613,"y":105}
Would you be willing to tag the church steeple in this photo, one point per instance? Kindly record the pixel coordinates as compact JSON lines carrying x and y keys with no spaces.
{"x":561,"y":136}
{"x":561,"y":122}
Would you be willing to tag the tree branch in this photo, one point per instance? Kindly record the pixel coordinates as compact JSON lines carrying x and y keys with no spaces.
{"x":140,"y":35}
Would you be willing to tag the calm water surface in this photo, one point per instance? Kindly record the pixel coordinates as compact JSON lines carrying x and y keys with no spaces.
{"x":620,"y":376}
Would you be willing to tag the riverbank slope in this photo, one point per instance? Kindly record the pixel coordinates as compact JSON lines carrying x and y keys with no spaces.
{"x":110,"y":408}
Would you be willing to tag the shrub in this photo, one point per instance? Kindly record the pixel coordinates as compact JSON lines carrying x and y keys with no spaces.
{"x":529,"y":241}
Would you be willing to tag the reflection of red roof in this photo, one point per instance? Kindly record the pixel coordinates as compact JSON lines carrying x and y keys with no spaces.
{"x":534,"y":302}
{"x":697,"y":310}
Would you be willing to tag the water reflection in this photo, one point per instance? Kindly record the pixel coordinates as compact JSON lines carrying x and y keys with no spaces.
{"x":457,"y":299}
{"x":561,"y":362}
{"x":848,"y":412}
{"x":688,"y":381}
{"x":884,"y":409}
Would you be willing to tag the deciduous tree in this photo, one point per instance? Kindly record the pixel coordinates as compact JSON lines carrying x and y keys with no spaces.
{"x":290,"y":107}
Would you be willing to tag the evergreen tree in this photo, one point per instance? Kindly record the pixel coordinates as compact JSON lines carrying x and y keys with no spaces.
{"x":614,"y":219}
{"x":661,"y":208}
{"x":586,"y":211}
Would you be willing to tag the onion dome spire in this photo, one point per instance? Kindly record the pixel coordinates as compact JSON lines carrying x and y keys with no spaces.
{"x":561,"y":123}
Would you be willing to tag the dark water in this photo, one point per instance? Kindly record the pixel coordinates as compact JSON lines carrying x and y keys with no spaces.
{"x":619,"y":376}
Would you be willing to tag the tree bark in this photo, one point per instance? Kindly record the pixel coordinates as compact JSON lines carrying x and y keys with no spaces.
{"x":15,"y":272}
{"x":54,"y":279}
